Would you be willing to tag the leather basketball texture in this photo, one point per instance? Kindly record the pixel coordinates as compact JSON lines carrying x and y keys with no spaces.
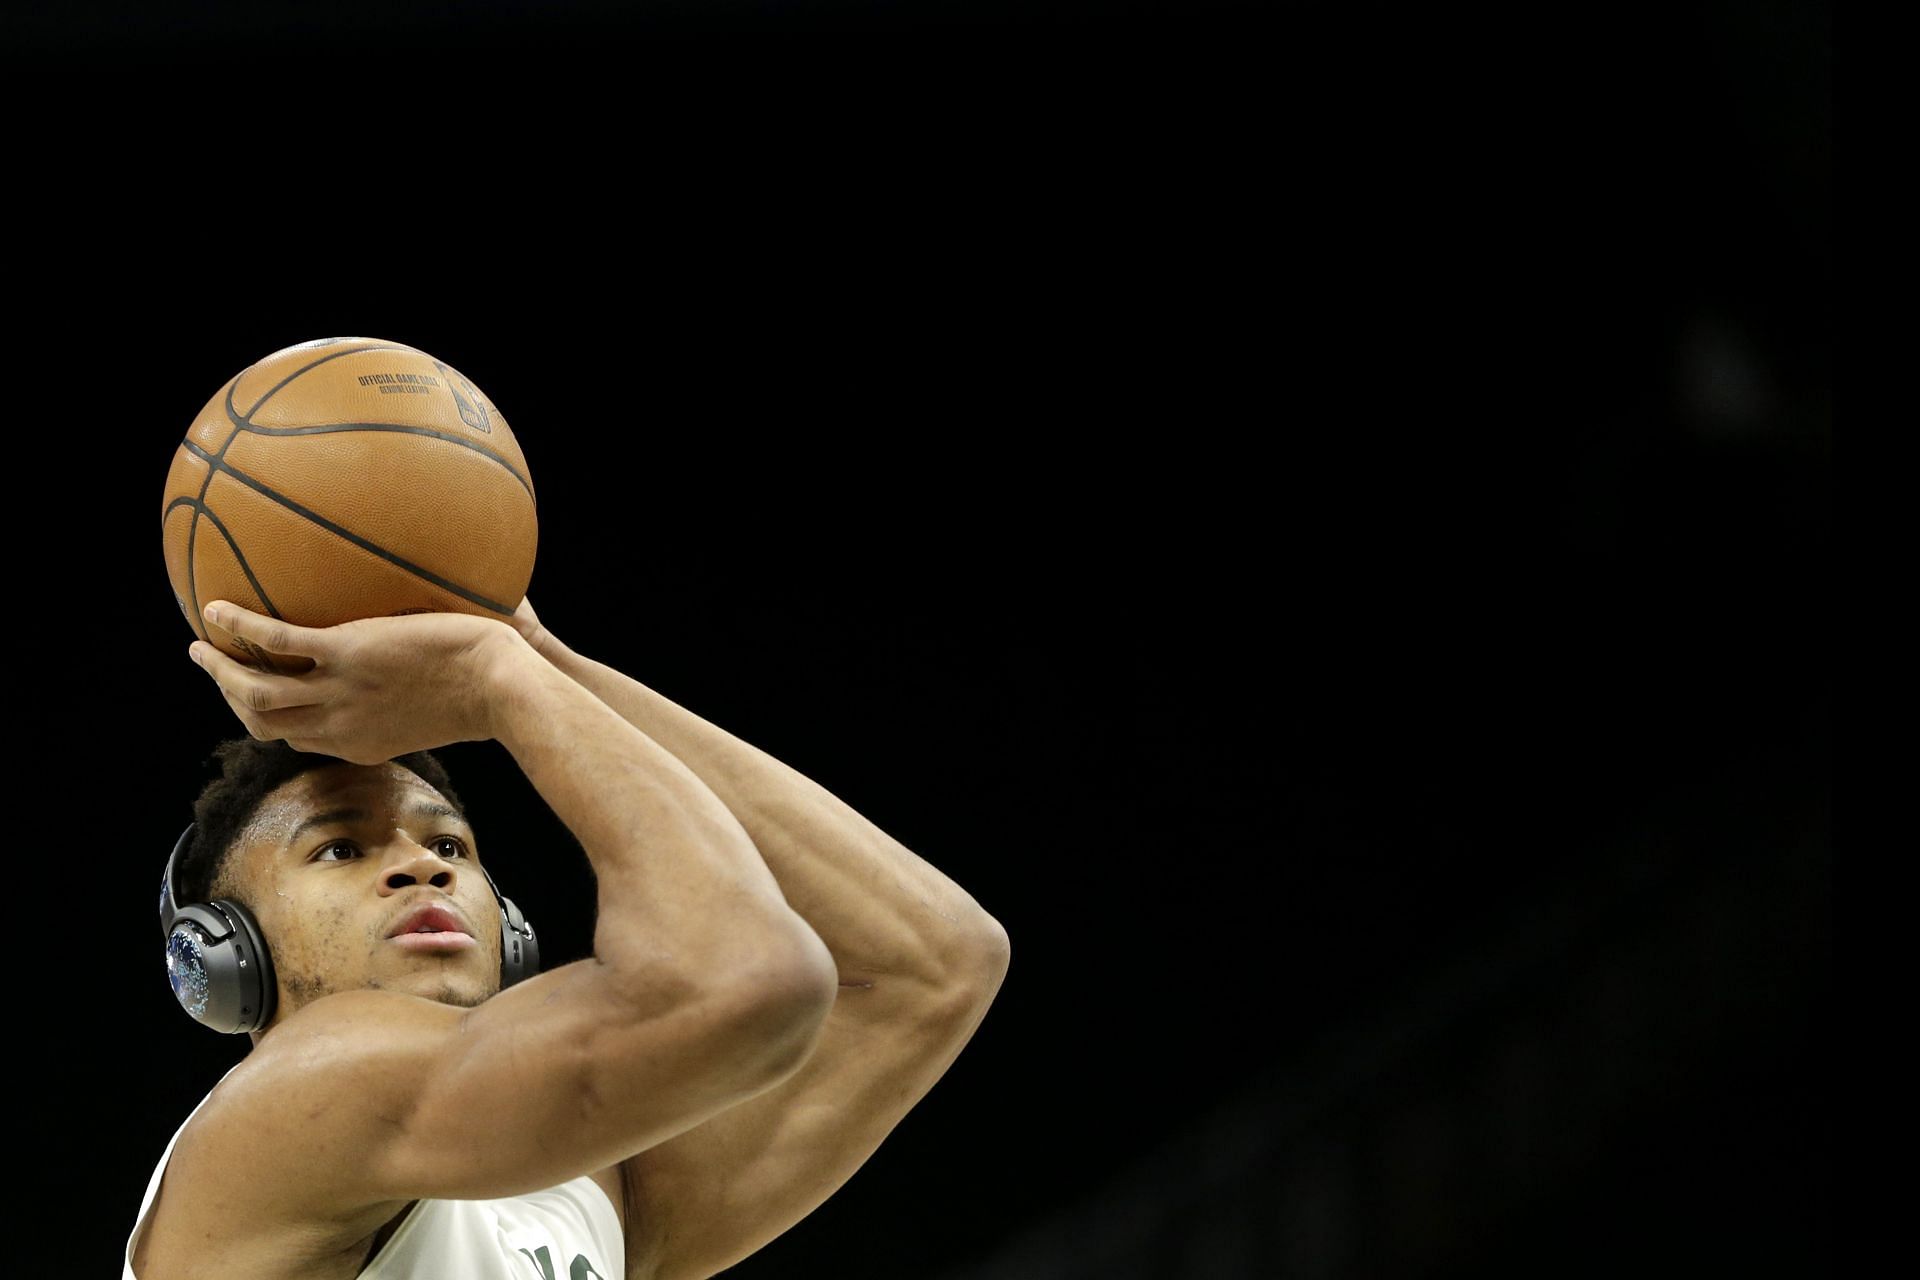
{"x":347,"y":478}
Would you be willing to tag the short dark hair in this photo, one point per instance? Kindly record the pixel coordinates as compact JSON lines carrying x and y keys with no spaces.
{"x":249,"y":769}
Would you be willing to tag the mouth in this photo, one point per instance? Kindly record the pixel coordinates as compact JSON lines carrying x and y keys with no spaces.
{"x":432,"y":928}
{"x":435,"y":940}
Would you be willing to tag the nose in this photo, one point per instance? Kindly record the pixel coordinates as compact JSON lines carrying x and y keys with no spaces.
{"x":410,"y":863}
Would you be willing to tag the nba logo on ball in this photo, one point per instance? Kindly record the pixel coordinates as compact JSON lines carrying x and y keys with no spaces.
{"x":473,"y":410}
{"x":342,"y":479}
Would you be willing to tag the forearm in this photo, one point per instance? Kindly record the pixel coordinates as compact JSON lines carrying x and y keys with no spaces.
{"x":882,"y":910}
{"x":683,"y":893}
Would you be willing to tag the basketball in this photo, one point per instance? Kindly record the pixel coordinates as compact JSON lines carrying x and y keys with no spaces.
{"x":347,"y":478}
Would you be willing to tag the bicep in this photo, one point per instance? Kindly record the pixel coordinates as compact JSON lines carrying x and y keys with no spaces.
{"x":376,"y":1096}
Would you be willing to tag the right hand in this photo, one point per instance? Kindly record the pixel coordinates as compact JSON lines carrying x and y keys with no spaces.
{"x":379,"y":687}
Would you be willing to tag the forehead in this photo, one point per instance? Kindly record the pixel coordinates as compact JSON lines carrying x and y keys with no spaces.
{"x":376,"y":788}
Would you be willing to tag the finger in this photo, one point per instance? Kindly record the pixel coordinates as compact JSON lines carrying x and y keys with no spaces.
{"x":256,"y":690}
{"x":247,"y":720}
{"x":275,"y":635}
{"x":303,"y":728}
{"x":301,"y":735}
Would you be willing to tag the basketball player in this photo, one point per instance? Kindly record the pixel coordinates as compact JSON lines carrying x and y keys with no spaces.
{"x":774,"y":981}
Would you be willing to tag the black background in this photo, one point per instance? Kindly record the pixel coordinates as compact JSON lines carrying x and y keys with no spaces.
{"x":1263,"y":500}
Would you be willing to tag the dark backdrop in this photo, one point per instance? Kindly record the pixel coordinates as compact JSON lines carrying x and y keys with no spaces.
{"x":1316,"y":519}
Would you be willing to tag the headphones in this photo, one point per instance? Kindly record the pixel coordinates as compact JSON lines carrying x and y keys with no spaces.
{"x":219,"y":969}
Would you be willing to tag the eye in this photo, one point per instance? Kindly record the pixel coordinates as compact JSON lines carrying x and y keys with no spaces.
{"x":459,"y":850}
{"x":332,"y":844}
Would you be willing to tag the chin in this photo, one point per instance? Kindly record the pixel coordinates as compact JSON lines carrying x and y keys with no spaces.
{"x":460,"y":994}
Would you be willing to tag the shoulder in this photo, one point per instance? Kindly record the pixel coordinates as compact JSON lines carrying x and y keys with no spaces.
{"x":212,"y":1209}
{"x":264,"y":1140}
{"x":332,"y":1064}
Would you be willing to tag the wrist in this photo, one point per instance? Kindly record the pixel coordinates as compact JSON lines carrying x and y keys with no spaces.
{"x":500,"y":677}
{"x":548,"y":646}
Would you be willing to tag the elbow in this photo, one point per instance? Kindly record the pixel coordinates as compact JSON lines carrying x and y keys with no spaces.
{"x":993,"y":938}
{"x":978,"y":964}
{"x":981,"y":954}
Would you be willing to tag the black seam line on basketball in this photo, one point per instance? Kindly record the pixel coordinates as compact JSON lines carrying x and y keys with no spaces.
{"x":275,"y":390}
{"x":219,"y":462}
{"x":358,"y":541}
{"x":245,"y":568}
{"x":395,"y":426}
{"x":193,"y":594}
{"x":211,"y":459}
{"x":233,"y":414}
{"x":193,"y":530}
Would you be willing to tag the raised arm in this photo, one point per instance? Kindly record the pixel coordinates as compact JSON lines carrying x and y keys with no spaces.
{"x":920,"y":961}
{"x":705,"y":988}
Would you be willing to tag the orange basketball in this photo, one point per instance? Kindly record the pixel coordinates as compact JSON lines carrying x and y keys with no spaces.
{"x":347,"y":478}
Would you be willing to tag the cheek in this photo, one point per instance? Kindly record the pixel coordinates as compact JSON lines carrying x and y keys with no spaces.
{"x":335,"y":935}
{"x":347,"y":932}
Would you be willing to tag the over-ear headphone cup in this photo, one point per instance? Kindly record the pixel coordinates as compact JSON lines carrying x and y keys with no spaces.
{"x":186,"y":971}
{"x":219,"y":966}
{"x":519,"y":949}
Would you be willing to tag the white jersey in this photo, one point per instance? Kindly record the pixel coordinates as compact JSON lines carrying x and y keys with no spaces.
{"x":568,"y":1232}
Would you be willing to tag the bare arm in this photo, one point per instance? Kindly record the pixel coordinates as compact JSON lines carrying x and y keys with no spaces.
{"x":682,"y":887}
{"x":886,"y":914}
{"x":919,"y":962}
{"x":705,"y":988}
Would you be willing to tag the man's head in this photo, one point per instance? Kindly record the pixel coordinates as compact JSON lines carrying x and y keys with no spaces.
{"x":331,"y":858}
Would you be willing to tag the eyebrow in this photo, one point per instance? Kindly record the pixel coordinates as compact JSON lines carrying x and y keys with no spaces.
{"x":333,"y":817}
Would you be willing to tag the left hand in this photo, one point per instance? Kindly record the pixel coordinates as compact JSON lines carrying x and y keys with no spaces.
{"x":375,"y":688}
